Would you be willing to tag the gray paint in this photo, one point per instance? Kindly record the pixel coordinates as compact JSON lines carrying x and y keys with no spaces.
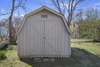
{"x":44,"y":37}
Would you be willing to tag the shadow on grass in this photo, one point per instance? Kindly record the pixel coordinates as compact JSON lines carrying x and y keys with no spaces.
{"x":2,"y":55}
{"x":91,"y":41}
{"x":79,"y":58}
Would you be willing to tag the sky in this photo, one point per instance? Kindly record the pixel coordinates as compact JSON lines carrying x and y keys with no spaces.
{"x":34,"y":4}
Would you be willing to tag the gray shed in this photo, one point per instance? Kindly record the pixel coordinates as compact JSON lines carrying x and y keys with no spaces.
{"x":44,"y":33}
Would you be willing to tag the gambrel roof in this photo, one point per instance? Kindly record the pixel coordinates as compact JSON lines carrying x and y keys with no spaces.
{"x":48,"y":9}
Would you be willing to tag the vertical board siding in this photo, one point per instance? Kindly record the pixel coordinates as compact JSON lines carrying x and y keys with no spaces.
{"x":44,"y":37}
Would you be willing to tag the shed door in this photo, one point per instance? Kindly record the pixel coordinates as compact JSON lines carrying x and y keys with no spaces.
{"x":52,"y":36}
{"x":44,"y":21}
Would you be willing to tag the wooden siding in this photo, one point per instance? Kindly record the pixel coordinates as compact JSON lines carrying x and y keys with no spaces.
{"x":44,"y":37}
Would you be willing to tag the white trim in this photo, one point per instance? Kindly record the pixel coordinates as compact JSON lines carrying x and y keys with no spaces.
{"x":66,"y":25}
{"x":38,"y":10}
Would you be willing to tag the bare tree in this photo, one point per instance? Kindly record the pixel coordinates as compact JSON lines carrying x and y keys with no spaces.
{"x":79,"y":16}
{"x":67,"y":8}
{"x":92,"y":14}
{"x":14,"y":7}
{"x":10,"y":21}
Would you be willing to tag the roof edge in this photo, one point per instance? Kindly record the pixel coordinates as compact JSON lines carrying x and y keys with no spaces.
{"x":49,"y":9}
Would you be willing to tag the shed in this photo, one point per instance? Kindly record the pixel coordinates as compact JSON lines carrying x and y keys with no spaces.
{"x":44,"y":33}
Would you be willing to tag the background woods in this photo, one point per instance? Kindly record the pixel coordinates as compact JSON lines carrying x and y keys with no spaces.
{"x":86,"y":25}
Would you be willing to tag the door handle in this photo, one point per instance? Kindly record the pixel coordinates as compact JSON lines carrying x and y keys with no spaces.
{"x":44,"y":37}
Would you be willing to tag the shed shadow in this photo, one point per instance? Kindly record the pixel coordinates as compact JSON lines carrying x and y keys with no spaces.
{"x":79,"y":58}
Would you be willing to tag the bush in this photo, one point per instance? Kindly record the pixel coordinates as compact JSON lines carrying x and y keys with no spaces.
{"x":2,"y":55}
{"x":3,"y":46}
{"x":90,"y":30}
{"x":13,"y":43}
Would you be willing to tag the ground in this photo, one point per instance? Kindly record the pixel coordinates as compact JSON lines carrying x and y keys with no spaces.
{"x":12,"y":59}
{"x":84,"y":54}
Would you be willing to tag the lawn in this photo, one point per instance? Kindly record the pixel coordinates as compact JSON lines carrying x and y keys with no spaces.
{"x":93,"y":48}
{"x":84,"y":54}
{"x":12,"y":59}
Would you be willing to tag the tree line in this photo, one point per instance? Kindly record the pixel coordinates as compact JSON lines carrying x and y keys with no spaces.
{"x":87,"y":25}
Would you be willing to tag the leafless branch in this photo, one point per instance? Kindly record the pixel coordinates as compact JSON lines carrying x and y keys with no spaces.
{"x":2,"y":14}
{"x":14,"y":7}
{"x":72,"y":5}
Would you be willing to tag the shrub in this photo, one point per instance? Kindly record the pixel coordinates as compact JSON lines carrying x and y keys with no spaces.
{"x":3,"y":46}
{"x":13,"y":43}
{"x":2,"y":55}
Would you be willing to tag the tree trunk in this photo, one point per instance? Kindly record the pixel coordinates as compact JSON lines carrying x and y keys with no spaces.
{"x":10,"y":22}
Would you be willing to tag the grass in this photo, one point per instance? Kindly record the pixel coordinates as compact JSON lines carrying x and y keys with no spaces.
{"x":88,"y":52}
{"x":12,"y":60}
{"x":91,"y":47}
{"x":85,"y":54}
{"x":2,"y":55}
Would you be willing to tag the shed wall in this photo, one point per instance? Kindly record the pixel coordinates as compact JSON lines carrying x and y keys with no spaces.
{"x":31,"y":42}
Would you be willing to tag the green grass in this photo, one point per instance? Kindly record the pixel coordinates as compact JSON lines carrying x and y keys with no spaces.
{"x":91,"y":47}
{"x":83,"y":55}
{"x":2,"y":55}
{"x":12,"y":60}
{"x":88,"y":52}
